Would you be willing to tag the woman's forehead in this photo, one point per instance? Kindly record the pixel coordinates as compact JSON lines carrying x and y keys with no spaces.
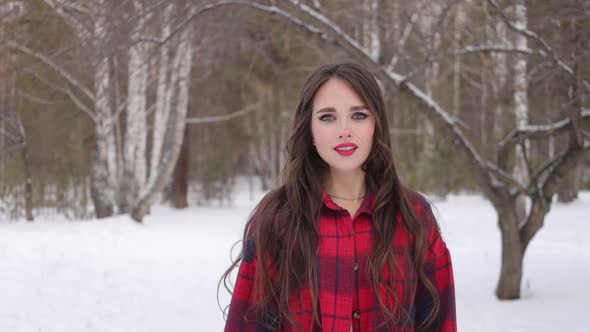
{"x":336,"y":93}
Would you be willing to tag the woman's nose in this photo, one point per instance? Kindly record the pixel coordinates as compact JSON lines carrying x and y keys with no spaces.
{"x":344,"y":130}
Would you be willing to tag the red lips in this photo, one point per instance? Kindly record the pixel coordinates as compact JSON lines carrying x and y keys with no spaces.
{"x":350,"y":149}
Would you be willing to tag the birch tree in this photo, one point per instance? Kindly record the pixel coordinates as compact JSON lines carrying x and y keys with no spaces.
{"x":177,"y":101}
{"x":90,"y":26}
{"x":135,"y":163}
{"x":371,"y":35}
{"x":155,"y":41}
{"x":427,"y":23}
{"x":104,"y":165}
{"x":521,"y":105}
{"x":164,"y":90}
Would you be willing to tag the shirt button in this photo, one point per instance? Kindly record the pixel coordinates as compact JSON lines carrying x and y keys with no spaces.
{"x":356,"y":314}
{"x":356,"y":266}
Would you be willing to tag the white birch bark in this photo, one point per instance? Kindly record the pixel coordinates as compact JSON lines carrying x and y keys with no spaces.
{"x":180,"y":84}
{"x":104,"y":166}
{"x":134,"y":174}
{"x":371,"y":38}
{"x":521,"y":107}
{"x":501,"y":76}
{"x":426,"y":22}
{"x":164,"y":92}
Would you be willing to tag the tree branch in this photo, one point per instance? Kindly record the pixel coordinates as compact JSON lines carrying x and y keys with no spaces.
{"x":468,"y":50}
{"x":68,"y":92}
{"x":36,"y":99}
{"x":222,"y":118}
{"x":506,"y":177}
{"x":402,"y":41}
{"x":557,"y":170}
{"x":532,"y":35}
{"x":531,"y":132}
{"x":10,"y":136}
{"x":47,"y":61}
{"x":59,"y":7}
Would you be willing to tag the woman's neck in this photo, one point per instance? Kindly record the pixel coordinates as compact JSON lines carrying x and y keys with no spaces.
{"x":346,"y":184}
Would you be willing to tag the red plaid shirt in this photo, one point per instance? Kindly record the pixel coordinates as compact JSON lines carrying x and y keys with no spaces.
{"x":346,"y":297}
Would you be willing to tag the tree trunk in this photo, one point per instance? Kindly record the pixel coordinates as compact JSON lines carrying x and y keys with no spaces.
{"x":431,"y":78}
{"x":134,"y":174}
{"x":371,"y":37}
{"x":164,"y":92}
{"x":500,"y":70}
{"x":104,"y":162}
{"x":521,"y":107}
{"x":180,"y":179}
{"x":101,"y":192}
{"x":28,"y":183}
{"x":24,"y":148}
{"x":568,"y":190}
{"x":458,"y":29}
{"x":174,"y":133}
{"x":508,"y":287}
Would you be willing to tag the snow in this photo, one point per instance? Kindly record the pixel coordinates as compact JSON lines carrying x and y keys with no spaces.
{"x":116,"y":275}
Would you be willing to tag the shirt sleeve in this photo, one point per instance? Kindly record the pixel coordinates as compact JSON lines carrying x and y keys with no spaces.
{"x":439,"y":270}
{"x":238,"y":318}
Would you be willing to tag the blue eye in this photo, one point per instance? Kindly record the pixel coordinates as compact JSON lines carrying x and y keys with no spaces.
{"x":359,"y":116}
{"x":326,"y":117}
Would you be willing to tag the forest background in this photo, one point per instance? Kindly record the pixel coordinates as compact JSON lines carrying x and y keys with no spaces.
{"x":108,"y":107}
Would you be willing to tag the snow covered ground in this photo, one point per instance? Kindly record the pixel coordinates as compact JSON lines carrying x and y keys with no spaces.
{"x":116,"y":275}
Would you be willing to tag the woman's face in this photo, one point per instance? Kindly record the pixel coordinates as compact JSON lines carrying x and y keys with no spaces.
{"x":342,"y":126}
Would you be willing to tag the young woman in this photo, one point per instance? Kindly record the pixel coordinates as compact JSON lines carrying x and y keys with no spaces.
{"x":342,"y":245}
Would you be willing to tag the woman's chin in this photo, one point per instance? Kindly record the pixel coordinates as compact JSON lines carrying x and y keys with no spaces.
{"x":346,"y":168}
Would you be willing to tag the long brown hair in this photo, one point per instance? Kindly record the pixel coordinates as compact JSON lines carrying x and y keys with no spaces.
{"x":283,"y":227}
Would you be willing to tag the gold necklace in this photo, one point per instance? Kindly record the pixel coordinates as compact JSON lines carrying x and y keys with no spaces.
{"x":347,"y":199}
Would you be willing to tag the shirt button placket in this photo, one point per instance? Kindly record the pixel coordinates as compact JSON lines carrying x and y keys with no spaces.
{"x":356,"y":314}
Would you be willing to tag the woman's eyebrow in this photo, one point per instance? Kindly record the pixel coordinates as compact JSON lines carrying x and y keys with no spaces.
{"x":333,"y":110}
